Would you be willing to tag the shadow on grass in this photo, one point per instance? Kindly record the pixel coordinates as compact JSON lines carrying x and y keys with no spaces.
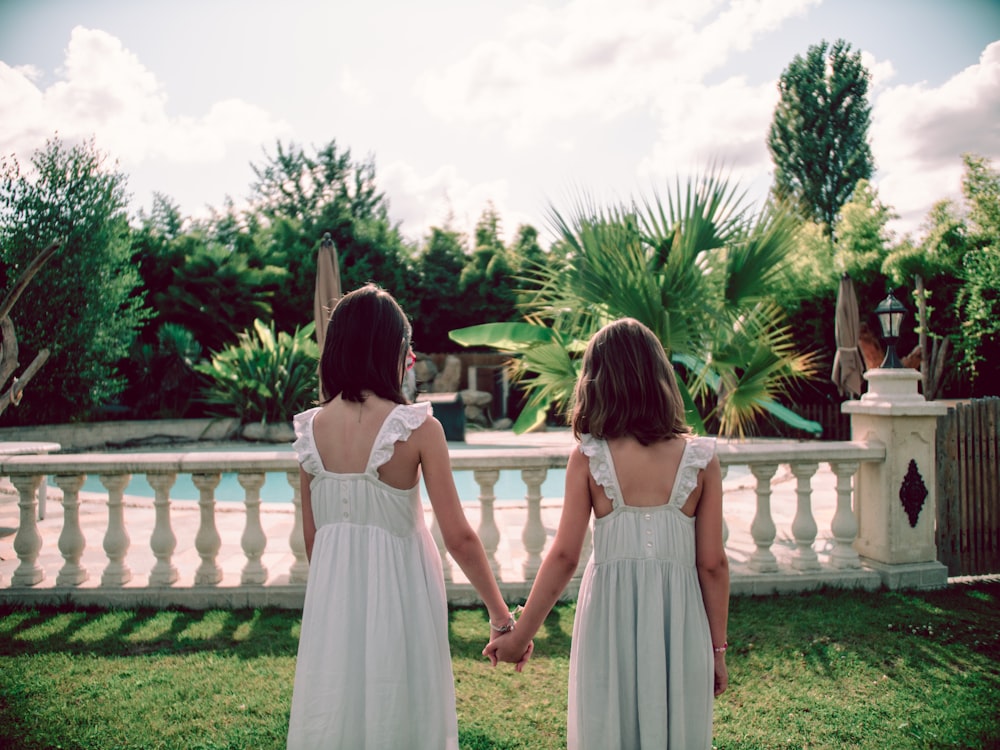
{"x":877,"y":625}
{"x":865,"y":669}
{"x":243,"y":633}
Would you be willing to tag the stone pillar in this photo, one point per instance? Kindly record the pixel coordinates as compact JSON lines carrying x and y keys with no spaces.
{"x":894,"y":501}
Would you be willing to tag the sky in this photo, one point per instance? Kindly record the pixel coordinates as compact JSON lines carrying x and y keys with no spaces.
{"x":525,"y":105}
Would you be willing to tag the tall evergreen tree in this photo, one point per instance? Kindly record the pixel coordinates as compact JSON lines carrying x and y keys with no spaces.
{"x":819,"y":133}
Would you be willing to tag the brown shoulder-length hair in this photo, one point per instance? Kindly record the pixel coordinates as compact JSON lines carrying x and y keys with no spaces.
{"x":627,"y":386}
{"x":367,"y":340}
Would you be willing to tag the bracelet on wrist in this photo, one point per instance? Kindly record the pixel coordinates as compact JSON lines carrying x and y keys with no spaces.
{"x":507,"y":626}
{"x":721,"y":649}
{"x":504,"y":627}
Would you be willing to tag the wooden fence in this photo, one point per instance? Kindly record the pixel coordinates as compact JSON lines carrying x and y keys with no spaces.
{"x":968,"y":488}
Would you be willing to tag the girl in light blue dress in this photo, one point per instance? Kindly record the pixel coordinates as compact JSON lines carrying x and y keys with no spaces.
{"x":649,"y":636}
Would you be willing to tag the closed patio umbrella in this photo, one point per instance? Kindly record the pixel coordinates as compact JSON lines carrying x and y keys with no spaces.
{"x":327,"y":289}
{"x":847,"y":363}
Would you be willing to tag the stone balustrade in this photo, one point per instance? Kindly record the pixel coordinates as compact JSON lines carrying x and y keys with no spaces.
{"x":242,"y":554}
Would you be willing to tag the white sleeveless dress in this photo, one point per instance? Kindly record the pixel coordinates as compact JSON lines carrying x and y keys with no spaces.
{"x":374,"y":665}
{"x":641,"y":665}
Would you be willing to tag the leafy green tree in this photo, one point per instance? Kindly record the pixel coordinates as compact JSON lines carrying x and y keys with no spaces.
{"x":206,"y":287}
{"x":699,"y":270}
{"x":806,"y":291}
{"x":487,"y":280}
{"x":979,"y":299}
{"x":819,"y":132}
{"x":981,"y":190}
{"x":863,"y":239}
{"x":88,"y":313}
{"x":525,"y":252}
{"x":300,"y":196}
{"x":979,"y":304}
{"x":162,"y":377}
{"x":439,"y":266}
{"x":932,"y":268}
{"x":955,"y":273}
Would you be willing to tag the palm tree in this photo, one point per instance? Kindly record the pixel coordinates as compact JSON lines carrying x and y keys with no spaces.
{"x":697,"y":267}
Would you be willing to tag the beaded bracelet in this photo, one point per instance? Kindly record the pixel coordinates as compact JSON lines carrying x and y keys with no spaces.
{"x":721,"y":649}
{"x":506,"y":627}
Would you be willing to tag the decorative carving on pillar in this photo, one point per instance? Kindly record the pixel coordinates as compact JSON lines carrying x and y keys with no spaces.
{"x":913,"y":493}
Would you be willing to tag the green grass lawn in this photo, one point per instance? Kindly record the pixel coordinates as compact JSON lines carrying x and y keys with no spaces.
{"x":830,"y":669}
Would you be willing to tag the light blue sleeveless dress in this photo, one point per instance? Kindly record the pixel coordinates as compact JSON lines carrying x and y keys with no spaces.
{"x":641,"y":665}
{"x":374,"y":665}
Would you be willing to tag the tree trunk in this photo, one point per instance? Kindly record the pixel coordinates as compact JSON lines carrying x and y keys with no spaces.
{"x":8,"y":337}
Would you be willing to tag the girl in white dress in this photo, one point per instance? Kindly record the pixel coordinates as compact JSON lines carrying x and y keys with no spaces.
{"x":649,"y":636}
{"x":374,"y":666}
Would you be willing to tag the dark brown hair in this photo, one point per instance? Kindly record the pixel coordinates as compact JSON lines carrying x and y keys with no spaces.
{"x":367,"y":340}
{"x":627,"y":386}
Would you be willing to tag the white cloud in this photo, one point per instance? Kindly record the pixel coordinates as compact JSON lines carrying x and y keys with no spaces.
{"x":592,"y":59}
{"x":104,"y":91}
{"x":444,"y":198}
{"x":919,"y":134}
{"x":882,"y":71}
{"x":353,"y":88}
{"x":724,"y":125}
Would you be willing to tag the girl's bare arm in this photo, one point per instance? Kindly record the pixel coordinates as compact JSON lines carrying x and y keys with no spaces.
{"x":713,"y":565}
{"x":558,"y":567}
{"x":461,"y":541}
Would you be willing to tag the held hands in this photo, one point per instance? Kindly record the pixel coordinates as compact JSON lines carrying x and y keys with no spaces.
{"x":507,"y":647}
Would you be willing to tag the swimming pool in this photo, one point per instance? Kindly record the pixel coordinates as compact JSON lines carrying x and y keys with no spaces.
{"x":509,"y":487}
{"x":276,"y":489}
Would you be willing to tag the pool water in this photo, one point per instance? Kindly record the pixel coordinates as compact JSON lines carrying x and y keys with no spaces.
{"x":276,"y":489}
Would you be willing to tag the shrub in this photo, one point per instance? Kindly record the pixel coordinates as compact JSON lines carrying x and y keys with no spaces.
{"x":265,"y":377}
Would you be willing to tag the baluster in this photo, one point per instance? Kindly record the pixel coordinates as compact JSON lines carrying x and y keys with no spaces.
{"x":163,"y":542}
{"x":762,"y":529}
{"x":533,"y":536}
{"x":489,"y":534}
{"x":253,"y":540}
{"x":804,"y":524}
{"x":725,"y":526}
{"x":71,"y":540}
{"x":207,"y":540}
{"x":28,"y":541}
{"x":299,"y":572}
{"x":844,"y":524}
{"x":442,"y":550}
{"x":116,"y":539}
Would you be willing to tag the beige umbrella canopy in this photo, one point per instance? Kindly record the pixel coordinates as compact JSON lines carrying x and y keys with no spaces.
{"x":847,"y":363}
{"x":327,"y":289}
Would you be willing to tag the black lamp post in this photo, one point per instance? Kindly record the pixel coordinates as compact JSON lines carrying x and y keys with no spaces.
{"x":890,"y":314}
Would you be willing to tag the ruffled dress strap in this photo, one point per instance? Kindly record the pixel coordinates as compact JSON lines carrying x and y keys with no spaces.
{"x":697,"y":453}
{"x":401,"y":421}
{"x":602,"y":468}
{"x":305,"y":444}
